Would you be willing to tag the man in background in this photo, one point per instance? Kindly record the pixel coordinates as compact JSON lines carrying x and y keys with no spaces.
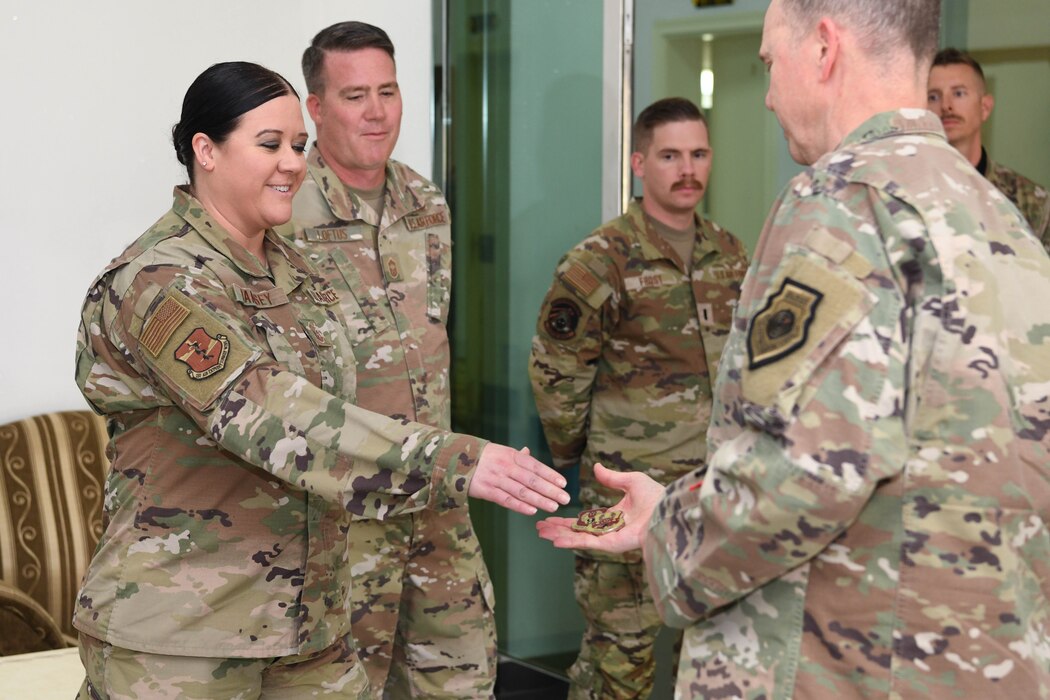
{"x":380,"y":232}
{"x":959,"y":95}
{"x":626,"y":348}
{"x":872,"y":521}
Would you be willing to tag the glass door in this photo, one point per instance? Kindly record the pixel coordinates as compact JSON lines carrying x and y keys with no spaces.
{"x":533,"y":162}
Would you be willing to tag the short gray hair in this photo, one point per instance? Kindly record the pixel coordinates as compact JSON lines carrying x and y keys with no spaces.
{"x":882,"y":24}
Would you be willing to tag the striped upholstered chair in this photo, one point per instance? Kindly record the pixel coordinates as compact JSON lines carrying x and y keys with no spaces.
{"x":52,"y":474}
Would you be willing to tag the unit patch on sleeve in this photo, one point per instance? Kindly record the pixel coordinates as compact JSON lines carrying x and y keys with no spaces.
{"x":200,"y":355}
{"x":563,"y":317}
{"x":782,"y":326}
{"x":204,"y":354}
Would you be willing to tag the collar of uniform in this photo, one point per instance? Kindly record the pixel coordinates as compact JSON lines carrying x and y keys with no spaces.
{"x":707,"y":240}
{"x":652,"y":244}
{"x":896,"y":123}
{"x":287,"y":267}
{"x":346,"y":205}
{"x":189,"y":208}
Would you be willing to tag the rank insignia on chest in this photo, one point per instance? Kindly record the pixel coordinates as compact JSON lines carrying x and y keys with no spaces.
{"x":562,"y":319}
{"x":204,"y":353}
{"x":393,"y":270}
{"x":782,"y":326}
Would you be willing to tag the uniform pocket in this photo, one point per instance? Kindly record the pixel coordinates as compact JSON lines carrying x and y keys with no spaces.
{"x":364,"y":316}
{"x":439,"y":275}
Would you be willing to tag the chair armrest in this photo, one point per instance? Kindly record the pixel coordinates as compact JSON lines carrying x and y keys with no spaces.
{"x":24,"y":624}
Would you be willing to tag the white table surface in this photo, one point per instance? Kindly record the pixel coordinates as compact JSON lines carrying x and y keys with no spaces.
{"x":43,"y":675}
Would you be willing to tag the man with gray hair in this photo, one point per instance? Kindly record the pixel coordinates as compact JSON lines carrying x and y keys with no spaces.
{"x":872,"y":521}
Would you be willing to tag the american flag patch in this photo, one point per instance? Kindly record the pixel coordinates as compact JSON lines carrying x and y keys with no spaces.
{"x":162,"y":324}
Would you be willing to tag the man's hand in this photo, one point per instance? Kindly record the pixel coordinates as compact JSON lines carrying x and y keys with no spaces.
{"x":517,"y":481}
{"x":640,"y":499}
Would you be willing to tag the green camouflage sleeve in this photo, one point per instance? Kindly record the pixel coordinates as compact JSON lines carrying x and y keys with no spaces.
{"x":817,"y":380}
{"x":566,"y":350}
{"x":165,"y":319}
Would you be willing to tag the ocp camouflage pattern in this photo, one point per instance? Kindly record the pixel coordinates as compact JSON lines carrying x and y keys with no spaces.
{"x":872,"y":523}
{"x":422,"y":599}
{"x":1030,"y":198}
{"x":626,"y":381}
{"x":621,"y":373}
{"x":229,"y":497}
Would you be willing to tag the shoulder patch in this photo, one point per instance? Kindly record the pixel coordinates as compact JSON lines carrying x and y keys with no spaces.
{"x":782,"y":326}
{"x":203,"y":353}
{"x":581,"y":279}
{"x":200,"y":356}
{"x":164,"y":321}
{"x":563,"y":318}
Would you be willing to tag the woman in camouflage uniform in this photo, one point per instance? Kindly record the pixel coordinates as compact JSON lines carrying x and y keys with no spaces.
{"x":211,"y":346}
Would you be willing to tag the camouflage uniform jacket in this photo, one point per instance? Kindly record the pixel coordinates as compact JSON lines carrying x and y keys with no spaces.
{"x":873,"y":521}
{"x":235,"y":467}
{"x":621,"y":360}
{"x":1031,"y":199}
{"x":396,"y":305}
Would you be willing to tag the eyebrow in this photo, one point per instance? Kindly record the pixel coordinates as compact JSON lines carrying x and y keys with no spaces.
{"x":278,"y":132}
{"x":352,"y":88}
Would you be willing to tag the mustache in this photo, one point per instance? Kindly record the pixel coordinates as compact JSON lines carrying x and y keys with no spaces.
{"x":681,"y":184}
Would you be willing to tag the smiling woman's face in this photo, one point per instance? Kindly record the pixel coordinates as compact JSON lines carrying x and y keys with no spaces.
{"x":256,"y":171}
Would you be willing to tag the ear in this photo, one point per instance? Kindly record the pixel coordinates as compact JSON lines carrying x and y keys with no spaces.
{"x":204,"y":150}
{"x":637,"y":159}
{"x":829,"y":38}
{"x":313,"y":107}
{"x":987,"y":103}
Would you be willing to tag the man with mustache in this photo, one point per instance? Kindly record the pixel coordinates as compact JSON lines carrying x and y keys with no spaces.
{"x":622,"y":365}
{"x":957,"y":93}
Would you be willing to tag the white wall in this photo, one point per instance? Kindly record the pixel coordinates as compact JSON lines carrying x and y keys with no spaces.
{"x":91,"y":91}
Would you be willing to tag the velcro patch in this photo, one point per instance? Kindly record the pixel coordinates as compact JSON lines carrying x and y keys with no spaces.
{"x":316,"y":334}
{"x":782,"y":326}
{"x":330,"y":235}
{"x":260,"y":298}
{"x":202,"y":357}
{"x":326,"y":296}
{"x":646,"y":280}
{"x":563,"y":318}
{"x":203,"y":353}
{"x":164,"y":321}
{"x":418,"y":221}
{"x":581,"y":279}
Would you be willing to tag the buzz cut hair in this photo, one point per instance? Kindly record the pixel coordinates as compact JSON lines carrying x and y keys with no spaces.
{"x":883,"y":25}
{"x":343,"y":36}
{"x":951,"y":56}
{"x":665,"y":111}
